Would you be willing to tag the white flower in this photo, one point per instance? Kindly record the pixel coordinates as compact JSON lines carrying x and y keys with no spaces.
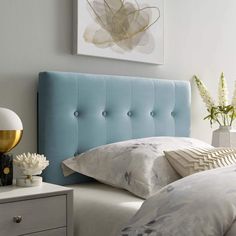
{"x":31,"y":164}
{"x":206,"y":97}
{"x":233,"y":103}
{"x":223,"y":91}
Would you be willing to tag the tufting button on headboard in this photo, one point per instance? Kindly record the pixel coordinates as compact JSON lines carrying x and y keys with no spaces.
{"x":104,"y":113}
{"x":152,"y":113}
{"x":173,"y":113}
{"x":129,"y":113}
{"x":76,"y":114}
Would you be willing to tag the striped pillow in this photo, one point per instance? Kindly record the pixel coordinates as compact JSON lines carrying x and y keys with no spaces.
{"x":190,"y":161}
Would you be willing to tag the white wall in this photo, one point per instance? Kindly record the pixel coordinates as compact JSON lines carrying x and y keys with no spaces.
{"x":36,"y":35}
{"x":200,"y":39}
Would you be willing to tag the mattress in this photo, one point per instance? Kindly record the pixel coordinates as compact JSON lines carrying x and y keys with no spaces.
{"x":101,"y":210}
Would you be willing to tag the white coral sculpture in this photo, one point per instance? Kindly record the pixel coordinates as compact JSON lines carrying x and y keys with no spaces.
{"x":31,"y":163}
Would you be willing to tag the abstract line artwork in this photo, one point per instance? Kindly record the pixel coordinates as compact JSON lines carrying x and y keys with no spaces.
{"x":121,"y":29}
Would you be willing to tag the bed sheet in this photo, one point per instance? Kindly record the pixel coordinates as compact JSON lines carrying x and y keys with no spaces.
{"x":102,"y":210}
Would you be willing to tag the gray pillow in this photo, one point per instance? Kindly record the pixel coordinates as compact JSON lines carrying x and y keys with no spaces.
{"x":202,"y":204}
{"x":137,"y":165}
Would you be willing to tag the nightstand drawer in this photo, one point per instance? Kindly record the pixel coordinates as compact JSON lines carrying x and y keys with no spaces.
{"x":33,"y":215}
{"x":52,"y":232}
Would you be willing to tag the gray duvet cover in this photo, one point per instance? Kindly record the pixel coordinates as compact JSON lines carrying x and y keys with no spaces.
{"x":203,"y":204}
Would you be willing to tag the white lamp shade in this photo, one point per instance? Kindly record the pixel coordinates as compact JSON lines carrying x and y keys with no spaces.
{"x":9,"y":120}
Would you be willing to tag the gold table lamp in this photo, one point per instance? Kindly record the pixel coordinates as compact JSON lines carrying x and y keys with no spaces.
{"x":11,"y":130}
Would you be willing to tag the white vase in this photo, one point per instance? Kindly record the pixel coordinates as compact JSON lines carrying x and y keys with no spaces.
{"x":26,"y":182}
{"x":225,"y":136}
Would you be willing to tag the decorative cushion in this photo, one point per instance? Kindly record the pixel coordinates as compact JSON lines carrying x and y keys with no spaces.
{"x":190,"y":161}
{"x":137,"y":165}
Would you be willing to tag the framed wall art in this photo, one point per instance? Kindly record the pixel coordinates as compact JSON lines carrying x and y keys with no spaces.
{"x":121,"y":29}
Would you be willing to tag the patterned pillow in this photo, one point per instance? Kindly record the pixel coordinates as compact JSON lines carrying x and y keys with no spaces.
{"x":137,"y":165}
{"x":190,"y":161}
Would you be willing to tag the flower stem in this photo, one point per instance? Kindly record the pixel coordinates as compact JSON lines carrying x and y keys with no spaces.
{"x":232,"y":118}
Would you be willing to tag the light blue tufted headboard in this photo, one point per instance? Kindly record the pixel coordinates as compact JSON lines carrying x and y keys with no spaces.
{"x":79,"y":111}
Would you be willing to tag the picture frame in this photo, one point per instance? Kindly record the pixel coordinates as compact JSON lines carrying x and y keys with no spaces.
{"x":130,"y":30}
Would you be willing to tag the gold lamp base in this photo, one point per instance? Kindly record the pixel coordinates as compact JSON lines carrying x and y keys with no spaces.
{"x":9,"y":139}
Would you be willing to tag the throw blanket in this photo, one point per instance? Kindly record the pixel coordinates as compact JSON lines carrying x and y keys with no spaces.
{"x":203,"y":204}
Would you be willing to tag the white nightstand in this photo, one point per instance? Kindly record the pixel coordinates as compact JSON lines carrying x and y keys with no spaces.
{"x":46,"y":210}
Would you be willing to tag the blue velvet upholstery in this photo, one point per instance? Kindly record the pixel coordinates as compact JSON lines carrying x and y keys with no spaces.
{"x":77,"y":112}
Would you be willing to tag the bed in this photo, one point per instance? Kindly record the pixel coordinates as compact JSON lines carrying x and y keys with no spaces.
{"x":77,"y":112}
{"x":84,"y":118}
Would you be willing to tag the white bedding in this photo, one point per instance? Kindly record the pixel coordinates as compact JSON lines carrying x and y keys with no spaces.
{"x":102,"y":210}
{"x":202,"y":204}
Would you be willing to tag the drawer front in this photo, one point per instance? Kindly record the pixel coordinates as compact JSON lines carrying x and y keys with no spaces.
{"x":36,"y":215}
{"x":53,"y":232}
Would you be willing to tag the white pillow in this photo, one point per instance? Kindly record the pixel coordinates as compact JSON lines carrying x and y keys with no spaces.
{"x":137,"y":165}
